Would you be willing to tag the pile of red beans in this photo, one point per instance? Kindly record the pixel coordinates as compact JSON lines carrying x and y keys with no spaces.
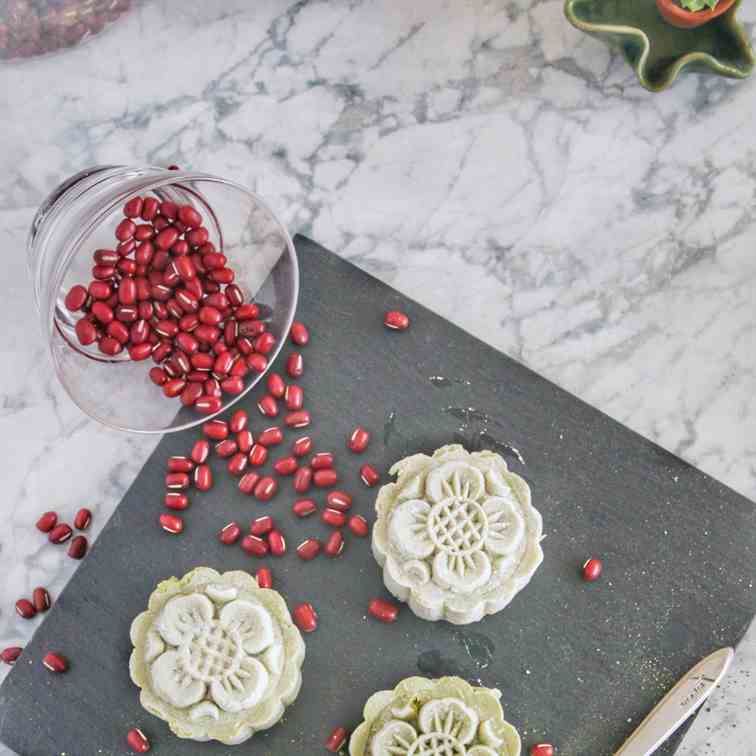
{"x":164,"y":292}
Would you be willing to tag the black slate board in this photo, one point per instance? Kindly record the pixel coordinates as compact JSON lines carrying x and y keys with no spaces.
{"x":578,"y":665}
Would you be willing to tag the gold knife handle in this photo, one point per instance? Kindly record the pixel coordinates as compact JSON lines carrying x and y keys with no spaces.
{"x":689,"y":693}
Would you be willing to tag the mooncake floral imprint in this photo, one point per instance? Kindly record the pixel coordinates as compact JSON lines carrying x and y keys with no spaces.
{"x":215,"y":656}
{"x":446,"y":717}
{"x":456,"y":534}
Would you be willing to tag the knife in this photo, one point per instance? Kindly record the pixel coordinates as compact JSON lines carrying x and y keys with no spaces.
{"x":689,"y":693}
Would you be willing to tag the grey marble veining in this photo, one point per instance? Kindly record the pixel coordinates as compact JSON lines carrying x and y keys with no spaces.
{"x":482,"y":157}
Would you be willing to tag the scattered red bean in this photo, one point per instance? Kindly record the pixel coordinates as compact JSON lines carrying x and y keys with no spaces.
{"x":203,"y":477}
{"x":41,"y":599}
{"x":333,"y":518}
{"x":254,"y":545}
{"x":245,"y":441}
{"x":226,"y":448}
{"x":592,"y":570}
{"x":336,"y":740}
{"x":258,"y":454}
{"x":304,"y":507}
{"x":60,"y":533}
{"x":239,"y":421}
{"x":325,"y":478}
{"x":542,"y":749}
{"x":77,"y":549}
{"x":359,"y":440}
{"x":55,"y":662}
{"x":265,"y":489}
{"x":359,"y":526}
{"x":299,"y":333}
{"x":230,"y":533}
{"x":276,"y":386}
{"x":294,"y":397}
{"x":268,"y":406}
{"x":177,"y":481}
{"x":286,"y":465}
{"x":216,"y":429}
{"x":25,"y":608}
{"x":200,"y":451}
{"x":396,"y":320}
{"x":277,"y":543}
{"x":264,"y":343}
{"x":294,"y":365}
{"x":264,"y":578}
{"x":298,"y":419}
{"x":383,"y":610}
{"x":178,"y":463}
{"x":171,"y":523}
{"x":369,"y":475}
{"x":303,"y":479}
{"x":47,"y":521}
{"x":10,"y":655}
{"x":309,"y":549}
{"x":247,"y":482}
{"x":301,"y":446}
{"x":138,"y":741}
{"x":261,"y":525}
{"x":322,"y":461}
{"x":305,"y":617}
{"x":270,"y":436}
{"x":176,"y":500}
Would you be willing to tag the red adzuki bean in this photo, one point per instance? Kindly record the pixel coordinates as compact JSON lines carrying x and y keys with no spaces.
{"x":334,"y":518}
{"x":229,"y":533}
{"x":303,"y":479}
{"x":277,"y":543}
{"x":304,"y":507}
{"x":257,"y":362}
{"x":247,"y":482}
{"x":10,"y":655}
{"x":591,"y":570}
{"x":76,"y":298}
{"x":171,"y":523}
{"x":298,"y":419}
{"x":25,"y":608}
{"x":336,"y":740}
{"x":299,"y":333}
{"x":270,"y":436}
{"x":41,"y":599}
{"x":335,"y":544}
{"x":369,"y":475}
{"x":359,"y":440}
{"x":261,"y":526}
{"x":178,"y":463}
{"x":60,"y":533}
{"x":137,"y":741}
{"x":396,"y":320}
{"x":305,"y":617}
{"x":216,"y":429}
{"x":268,"y":406}
{"x":541,"y":749}
{"x":309,"y":549}
{"x":325,"y":478}
{"x":294,"y":397}
{"x":239,"y":421}
{"x":176,"y":500}
{"x":177,"y":481}
{"x":78,"y":547}
{"x":82,"y":519}
{"x":257,"y":455}
{"x":383,"y":610}
{"x":301,"y":446}
{"x":237,"y":464}
{"x":200,"y":451}
{"x":203,"y":477}
{"x":294,"y":365}
{"x":265,"y":489}
{"x":276,"y":386}
{"x":226,"y":448}
{"x":264,"y":578}
{"x":359,"y":526}
{"x":245,"y":441}
{"x":208,"y":405}
{"x":47,"y":522}
{"x":321,"y":461}
{"x":286,"y":466}
{"x":254,"y":546}
{"x":339,"y":500}
{"x":55,"y":662}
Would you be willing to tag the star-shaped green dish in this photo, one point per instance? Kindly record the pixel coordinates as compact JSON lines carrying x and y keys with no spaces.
{"x":657,"y":51}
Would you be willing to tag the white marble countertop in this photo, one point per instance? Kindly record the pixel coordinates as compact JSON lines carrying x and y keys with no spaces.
{"x":482,"y":157}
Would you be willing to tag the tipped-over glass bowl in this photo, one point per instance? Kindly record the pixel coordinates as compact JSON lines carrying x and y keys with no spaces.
{"x":81,"y":215}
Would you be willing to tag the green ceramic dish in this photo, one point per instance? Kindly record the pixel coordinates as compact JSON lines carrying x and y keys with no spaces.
{"x":657,"y":51}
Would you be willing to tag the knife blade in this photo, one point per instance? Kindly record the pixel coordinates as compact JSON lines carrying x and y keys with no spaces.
{"x":682,"y":701}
